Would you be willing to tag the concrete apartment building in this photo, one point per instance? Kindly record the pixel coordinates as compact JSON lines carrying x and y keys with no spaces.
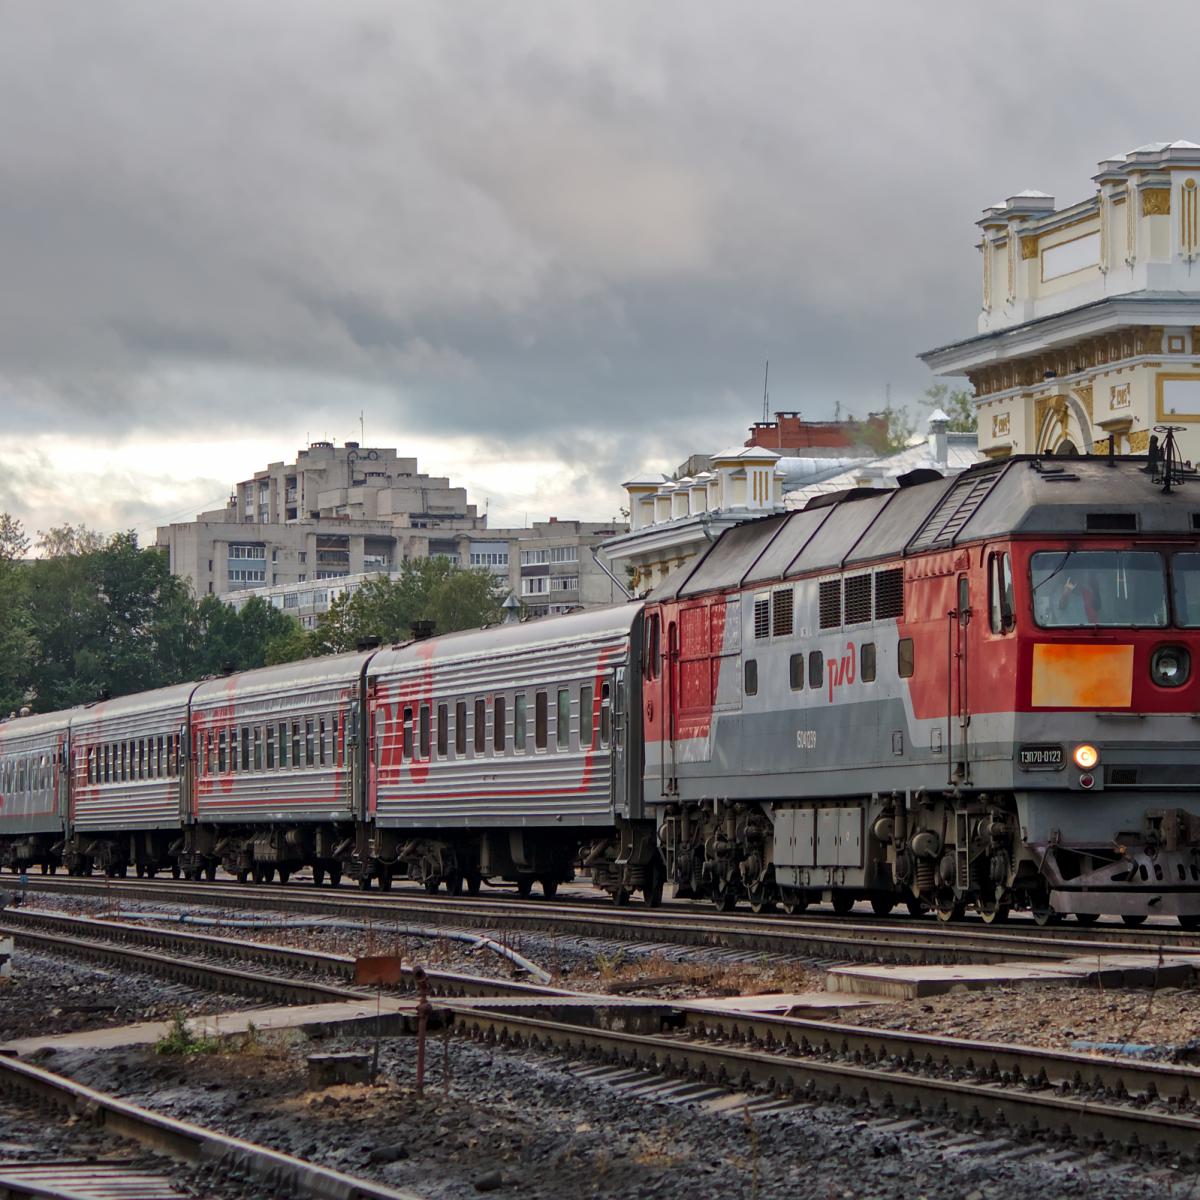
{"x":300,"y":533}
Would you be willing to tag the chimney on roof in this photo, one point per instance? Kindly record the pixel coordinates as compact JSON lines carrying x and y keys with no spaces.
{"x":938,"y":424}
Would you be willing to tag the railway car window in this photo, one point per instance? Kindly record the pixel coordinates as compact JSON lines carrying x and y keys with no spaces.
{"x":540,"y":720}
{"x":310,"y":743}
{"x":269,"y":738}
{"x":905,"y":662}
{"x":762,"y":616}
{"x":782,"y":604}
{"x":233,"y":749}
{"x":443,"y":731}
{"x":750,"y":677}
{"x":830,"y":603}
{"x":423,"y":718}
{"x":605,"y":715}
{"x":460,"y":729}
{"x":407,"y":736}
{"x":796,"y":672}
{"x":480,"y":726}
{"x":587,"y":718}
{"x":866,"y":662}
{"x":651,"y":648}
{"x":562,"y":731}
{"x":141,"y":771}
{"x":322,"y":739}
{"x":297,"y":761}
{"x":1185,"y":589}
{"x":246,"y":747}
{"x":283,"y":744}
{"x":816,"y":669}
{"x":1106,"y":588}
{"x":520,"y":722}
{"x":221,"y":749}
{"x":163,"y":757}
{"x":337,"y":745}
{"x":498,"y":724}
{"x":258,"y":748}
{"x":1000,"y":593}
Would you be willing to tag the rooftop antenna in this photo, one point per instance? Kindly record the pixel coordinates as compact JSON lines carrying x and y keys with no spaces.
{"x":766,"y":394}
{"x":362,"y":436}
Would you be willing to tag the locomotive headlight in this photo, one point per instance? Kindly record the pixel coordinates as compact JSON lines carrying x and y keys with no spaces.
{"x":1170,"y":666}
{"x":1086,"y":757}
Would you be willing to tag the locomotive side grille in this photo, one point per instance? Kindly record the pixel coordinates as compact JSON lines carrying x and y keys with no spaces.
{"x":858,"y":599}
{"x":957,"y":507}
{"x":831,"y":603}
{"x":781,"y":612}
{"x":762,"y":617}
{"x":889,"y":594}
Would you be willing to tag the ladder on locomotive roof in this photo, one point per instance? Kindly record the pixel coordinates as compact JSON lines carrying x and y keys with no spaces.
{"x":956,"y":508}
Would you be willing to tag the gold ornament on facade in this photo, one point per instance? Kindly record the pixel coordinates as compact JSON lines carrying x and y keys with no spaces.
{"x":1119,"y":396}
{"x":1084,"y":396}
{"x":1156,"y":202}
{"x":1139,"y":441}
{"x":1001,"y":425}
{"x":1029,"y":248}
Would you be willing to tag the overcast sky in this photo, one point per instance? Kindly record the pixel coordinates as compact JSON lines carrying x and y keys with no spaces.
{"x":541,"y":245}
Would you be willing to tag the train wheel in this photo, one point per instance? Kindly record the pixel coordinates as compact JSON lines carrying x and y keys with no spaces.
{"x":210,"y":871}
{"x":652,"y":893}
{"x":140,"y":868}
{"x":335,"y":875}
{"x":268,"y":874}
{"x":724,"y":897}
{"x":950,"y":911}
{"x":364,"y":883}
{"x":284,"y":874}
{"x":385,"y":879}
{"x":1087,"y":918}
{"x":843,"y":902}
{"x":1133,"y":919}
{"x":432,"y":885}
{"x":318,"y":876}
{"x":621,"y":897}
{"x":474,"y":883}
{"x":992,"y":911}
{"x":882,"y":905}
{"x":793,"y":903}
{"x":1043,"y":914}
{"x":1189,"y":921}
{"x":524,"y":886}
{"x":242,"y":875}
{"x":761,"y":901}
{"x":915,"y":906}
{"x":549,"y":888}
{"x":454,"y":883}
{"x":175,"y":870}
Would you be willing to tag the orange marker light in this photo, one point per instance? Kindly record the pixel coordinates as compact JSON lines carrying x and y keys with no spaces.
{"x":1086,"y":757}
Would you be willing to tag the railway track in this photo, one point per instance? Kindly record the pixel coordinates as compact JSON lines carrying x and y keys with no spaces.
{"x":885,"y":940}
{"x":278,"y":1174}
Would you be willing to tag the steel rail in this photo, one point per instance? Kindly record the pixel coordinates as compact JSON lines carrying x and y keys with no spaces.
{"x":279,"y":1173}
{"x":1014,"y":1106}
{"x":879,"y":942}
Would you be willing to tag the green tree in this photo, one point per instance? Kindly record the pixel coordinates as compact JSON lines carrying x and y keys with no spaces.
{"x":957,"y":404}
{"x":16,"y":642}
{"x":426,"y":589}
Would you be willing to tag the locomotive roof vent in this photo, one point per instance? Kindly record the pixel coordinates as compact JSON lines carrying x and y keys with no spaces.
{"x":1111,"y":522}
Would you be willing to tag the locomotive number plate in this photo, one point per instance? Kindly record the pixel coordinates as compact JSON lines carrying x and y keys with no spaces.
{"x":1041,"y":758}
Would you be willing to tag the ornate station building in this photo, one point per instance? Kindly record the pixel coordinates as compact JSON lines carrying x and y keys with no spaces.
{"x":1090,"y":322}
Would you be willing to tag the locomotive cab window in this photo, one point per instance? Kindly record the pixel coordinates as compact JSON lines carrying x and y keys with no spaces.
{"x":651,"y":671}
{"x":866,"y":662}
{"x":816,"y":669}
{"x":1105,"y":588}
{"x":904,"y":658}
{"x":1185,"y":589}
{"x":1001,"y":617}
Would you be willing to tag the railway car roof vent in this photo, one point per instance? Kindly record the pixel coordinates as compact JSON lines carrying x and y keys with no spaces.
{"x":954,"y":510}
{"x":1110,"y":522}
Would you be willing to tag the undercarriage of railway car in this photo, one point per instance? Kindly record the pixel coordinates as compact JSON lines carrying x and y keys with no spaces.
{"x":34,"y":850}
{"x":115,"y":852}
{"x":628,"y":861}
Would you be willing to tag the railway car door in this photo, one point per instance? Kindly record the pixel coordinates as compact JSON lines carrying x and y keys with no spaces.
{"x":958,"y":696}
{"x":671,"y":711}
{"x":617,"y":759}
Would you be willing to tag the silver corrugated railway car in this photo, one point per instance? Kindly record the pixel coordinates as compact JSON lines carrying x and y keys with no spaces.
{"x":128,"y":784}
{"x":275,"y":770}
{"x":33,"y":791}
{"x":500,"y":753}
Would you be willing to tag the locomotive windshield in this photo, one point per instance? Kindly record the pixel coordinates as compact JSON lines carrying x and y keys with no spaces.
{"x":1121,"y":588}
{"x":1185,"y":589}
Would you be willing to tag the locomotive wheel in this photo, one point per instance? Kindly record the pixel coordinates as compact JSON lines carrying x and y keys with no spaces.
{"x":242,"y":876}
{"x":992,"y":910}
{"x":454,"y":883}
{"x":1133,"y":919}
{"x":318,"y":876}
{"x":431,"y":885}
{"x":916,"y":908}
{"x":882,"y":905}
{"x":621,"y":897}
{"x":1087,"y":918}
{"x":284,"y":874}
{"x":724,"y":897}
{"x":843,"y":903}
{"x":385,"y":879}
{"x":549,"y":888}
{"x":269,"y":874}
{"x":793,"y":903}
{"x":525,"y":886}
{"x":761,"y":901}
{"x":950,"y":911}
{"x":140,"y":868}
{"x":364,"y":883}
{"x":1043,"y":914}
{"x":175,"y":870}
{"x":1189,"y":921}
{"x":335,"y":875}
{"x":474,"y":883}
{"x":652,"y":893}
{"x":210,"y":871}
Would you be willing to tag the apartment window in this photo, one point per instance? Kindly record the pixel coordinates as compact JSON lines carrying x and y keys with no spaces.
{"x":750,"y":677}
{"x":564,"y":583}
{"x":587,"y":718}
{"x":796,"y":672}
{"x":866,"y":662}
{"x":563,"y":719}
{"x":498,"y":725}
{"x":406,"y":742}
{"x":424,"y":731}
{"x":540,"y":720}
{"x":816,"y":669}
{"x":443,"y":732}
{"x":520,"y":722}
{"x":534,"y":558}
{"x":480,"y":726}
{"x":904,"y":658}
{"x":535,"y":585}
{"x":460,"y":729}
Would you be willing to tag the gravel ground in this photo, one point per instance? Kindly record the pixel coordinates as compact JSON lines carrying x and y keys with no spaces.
{"x":521,"y":1124}
{"x":68,"y":995}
